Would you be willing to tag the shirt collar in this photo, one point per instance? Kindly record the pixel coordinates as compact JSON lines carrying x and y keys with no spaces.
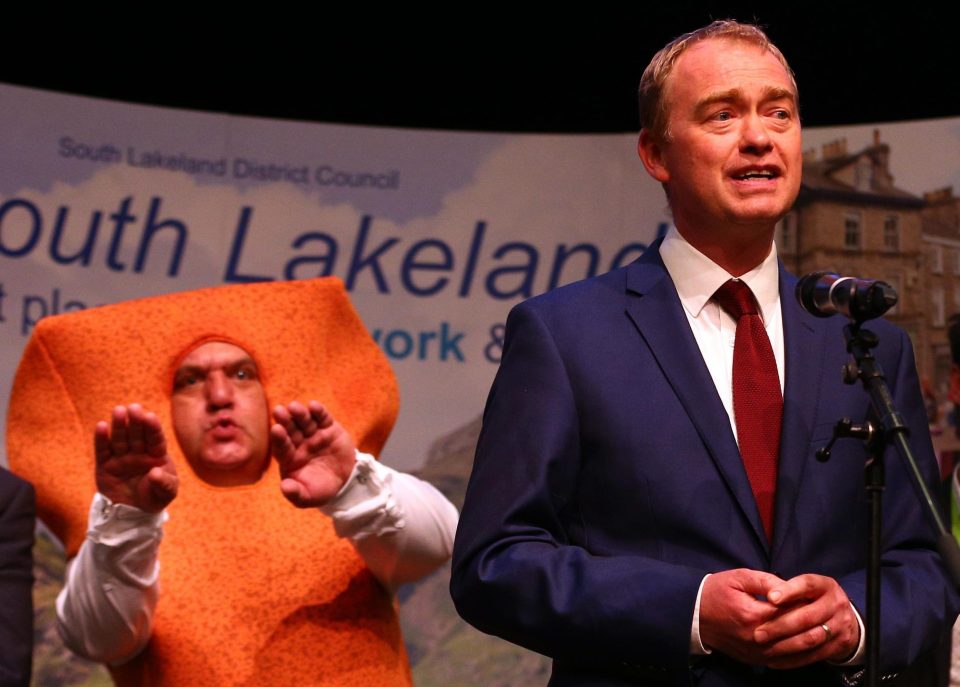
{"x":697,"y":277}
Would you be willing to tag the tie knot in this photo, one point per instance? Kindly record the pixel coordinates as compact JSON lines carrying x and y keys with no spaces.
{"x":736,"y":298}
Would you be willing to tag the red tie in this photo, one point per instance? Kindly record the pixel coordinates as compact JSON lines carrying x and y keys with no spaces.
{"x":757,"y":400}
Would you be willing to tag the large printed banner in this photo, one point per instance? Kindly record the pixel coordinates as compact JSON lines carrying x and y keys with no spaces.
{"x":435,"y":234}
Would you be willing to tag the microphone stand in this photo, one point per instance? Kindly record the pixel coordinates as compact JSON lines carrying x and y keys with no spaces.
{"x":889,"y":428}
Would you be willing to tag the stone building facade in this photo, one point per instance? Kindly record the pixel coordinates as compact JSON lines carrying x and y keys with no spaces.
{"x":941,"y":245}
{"x":850,"y":218}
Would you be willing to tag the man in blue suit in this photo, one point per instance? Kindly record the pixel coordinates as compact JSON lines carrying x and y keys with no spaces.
{"x":645,"y":506}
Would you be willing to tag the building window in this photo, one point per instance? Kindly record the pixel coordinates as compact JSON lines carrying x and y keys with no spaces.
{"x":891,"y":234}
{"x":936,"y":299}
{"x":788,"y":234}
{"x":852,"y":231}
{"x":936,"y":259}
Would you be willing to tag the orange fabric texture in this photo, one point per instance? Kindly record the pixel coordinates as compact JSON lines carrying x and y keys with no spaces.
{"x":253,"y":590}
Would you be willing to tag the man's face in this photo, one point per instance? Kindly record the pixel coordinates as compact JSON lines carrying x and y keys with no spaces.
{"x":220,"y":414}
{"x":733,"y":160}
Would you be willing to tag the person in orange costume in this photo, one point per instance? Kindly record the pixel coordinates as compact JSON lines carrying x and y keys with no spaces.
{"x":244,"y":590}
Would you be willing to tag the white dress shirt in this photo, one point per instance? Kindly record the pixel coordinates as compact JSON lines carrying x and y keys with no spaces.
{"x":697,"y":278}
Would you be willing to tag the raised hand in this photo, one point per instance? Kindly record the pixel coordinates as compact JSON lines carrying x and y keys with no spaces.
{"x":132,"y":463}
{"x":315,"y":453}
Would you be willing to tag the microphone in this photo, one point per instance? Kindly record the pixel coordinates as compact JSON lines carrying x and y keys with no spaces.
{"x":826,"y":293}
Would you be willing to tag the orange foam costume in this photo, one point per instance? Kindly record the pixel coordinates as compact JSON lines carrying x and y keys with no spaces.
{"x":252,"y":590}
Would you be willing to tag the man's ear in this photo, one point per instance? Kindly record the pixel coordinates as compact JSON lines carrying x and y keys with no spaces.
{"x":651,"y":154}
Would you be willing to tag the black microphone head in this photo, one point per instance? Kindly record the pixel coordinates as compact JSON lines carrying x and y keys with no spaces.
{"x":813,"y":293}
{"x":872,"y":301}
{"x":823,"y":294}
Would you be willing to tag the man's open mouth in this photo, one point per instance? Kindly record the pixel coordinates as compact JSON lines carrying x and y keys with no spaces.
{"x":750,"y":174}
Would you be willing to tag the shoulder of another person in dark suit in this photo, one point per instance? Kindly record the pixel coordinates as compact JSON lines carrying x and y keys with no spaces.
{"x":15,"y":491}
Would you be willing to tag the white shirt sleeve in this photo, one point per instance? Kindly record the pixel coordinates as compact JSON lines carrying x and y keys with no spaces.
{"x":697,"y":647}
{"x":105,"y":610}
{"x":401,"y":526}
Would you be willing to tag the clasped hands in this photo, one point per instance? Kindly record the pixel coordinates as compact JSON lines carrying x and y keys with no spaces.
{"x":760,"y":619}
{"x":315,"y":453}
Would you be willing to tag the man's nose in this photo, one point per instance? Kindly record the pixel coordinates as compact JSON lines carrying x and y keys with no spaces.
{"x":219,"y":391}
{"x":754,"y":136}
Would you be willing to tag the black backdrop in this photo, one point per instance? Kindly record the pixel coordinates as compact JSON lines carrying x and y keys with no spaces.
{"x":476,"y":65}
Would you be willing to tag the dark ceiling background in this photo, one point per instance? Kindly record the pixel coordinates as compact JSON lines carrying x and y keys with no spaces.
{"x":481,"y":67}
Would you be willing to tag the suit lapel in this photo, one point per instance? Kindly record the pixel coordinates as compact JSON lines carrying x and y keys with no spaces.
{"x":803,"y":353}
{"x":656,"y":311}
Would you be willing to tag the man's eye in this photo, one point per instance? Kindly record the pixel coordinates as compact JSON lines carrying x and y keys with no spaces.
{"x":781,"y":114}
{"x":246,"y":373}
{"x":723,"y":116}
{"x":185,"y":381}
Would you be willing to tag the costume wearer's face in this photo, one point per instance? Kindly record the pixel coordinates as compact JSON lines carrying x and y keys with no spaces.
{"x":220,"y":414}
{"x":734,"y":155}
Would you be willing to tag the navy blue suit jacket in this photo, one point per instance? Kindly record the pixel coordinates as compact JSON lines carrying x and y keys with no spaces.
{"x":607,"y":483}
